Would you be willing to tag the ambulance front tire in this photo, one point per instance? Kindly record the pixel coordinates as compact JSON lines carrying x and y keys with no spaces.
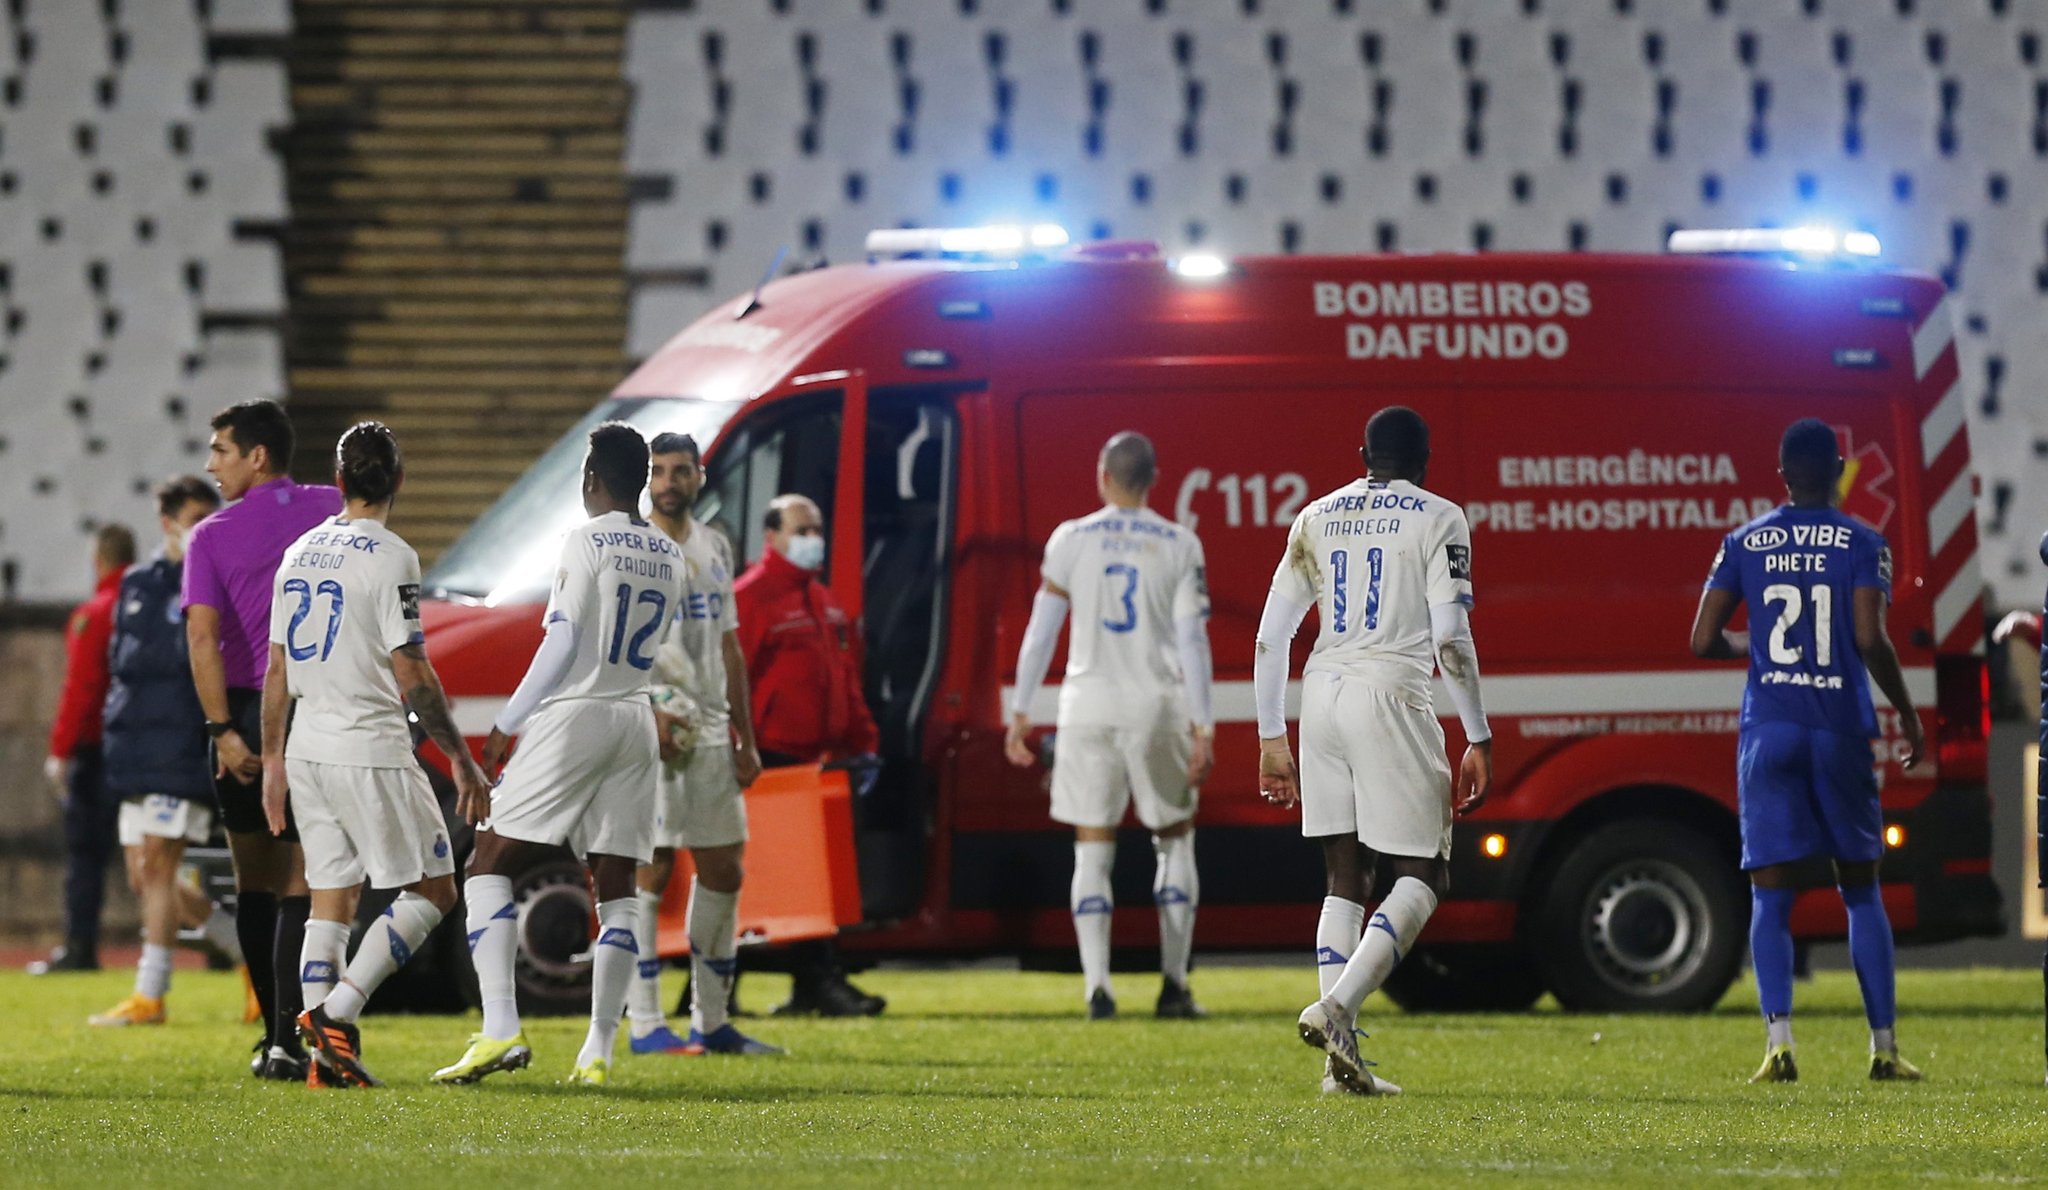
{"x":1645,"y":915}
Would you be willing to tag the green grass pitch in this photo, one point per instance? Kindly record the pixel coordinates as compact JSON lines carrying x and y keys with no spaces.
{"x":991,"y":1077}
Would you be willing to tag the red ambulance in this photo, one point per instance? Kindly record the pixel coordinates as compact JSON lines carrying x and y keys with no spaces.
{"x":1603,"y":420}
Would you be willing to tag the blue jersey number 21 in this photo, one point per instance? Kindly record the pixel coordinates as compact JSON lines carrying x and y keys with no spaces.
{"x":1129,"y":574}
{"x":1340,"y":584}
{"x":634,"y":657}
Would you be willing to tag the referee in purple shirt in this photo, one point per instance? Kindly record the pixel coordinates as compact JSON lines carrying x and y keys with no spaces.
{"x":230,"y":564}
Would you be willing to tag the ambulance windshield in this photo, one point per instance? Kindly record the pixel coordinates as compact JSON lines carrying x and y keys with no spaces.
{"x":508,"y":554}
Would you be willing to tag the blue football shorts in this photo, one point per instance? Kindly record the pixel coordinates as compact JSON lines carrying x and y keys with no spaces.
{"x":1806,"y":792}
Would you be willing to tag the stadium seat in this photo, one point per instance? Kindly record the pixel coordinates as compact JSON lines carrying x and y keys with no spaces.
{"x":853,"y":80}
{"x":1042,"y":68}
{"x":244,"y":277}
{"x":672,"y":93}
{"x":1144,"y":97}
{"x":1791,"y":55}
{"x":1711,"y":115}
{"x":1426,"y":105}
{"x":167,"y":50}
{"x":69,"y":55}
{"x":120,"y":182}
{"x":250,"y":18}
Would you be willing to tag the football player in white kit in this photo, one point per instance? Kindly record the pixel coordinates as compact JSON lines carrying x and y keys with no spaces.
{"x":1126,"y":733}
{"x":708,"y":756}
{"x":584,"y":775}
{"x":346,"y":645}
{"x":1388,"y":566}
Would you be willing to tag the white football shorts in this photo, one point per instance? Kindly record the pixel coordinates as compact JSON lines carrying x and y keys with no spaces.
{"x":357,"y":822}
{"x":585,"y":775}
{"x":701,"y":802}
{"x":1099,"y":771}
{"x":160,"y":816}
{"x":1373,"y":765}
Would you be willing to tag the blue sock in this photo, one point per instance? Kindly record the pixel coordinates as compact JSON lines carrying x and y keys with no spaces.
{"x":1870,"y":950}
{"x":1770,"y":948}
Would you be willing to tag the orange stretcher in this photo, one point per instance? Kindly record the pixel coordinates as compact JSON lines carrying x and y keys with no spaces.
{"x":802,"y":877}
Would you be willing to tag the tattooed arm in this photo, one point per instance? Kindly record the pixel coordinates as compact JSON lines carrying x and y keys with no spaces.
{"x":422,"y":688}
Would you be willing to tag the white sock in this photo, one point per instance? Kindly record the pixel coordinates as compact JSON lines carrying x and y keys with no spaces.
{"x":321,"y":956}
{"x":1884,"y":1041}
{"x":643,"y":1001}
{"x":611,"y":972}
{"x":153,"y":971}
{"x":1092,"y":903}
{"x":1777,"y":1031}
{"x":388,"y":944}
{"x":713,"y":919}
{"x":493,"y":922}
{"x":1337,"y":933}
{"x":220,"y":932}
{"x":1176,"y":889}
{"x":1388,"y":936}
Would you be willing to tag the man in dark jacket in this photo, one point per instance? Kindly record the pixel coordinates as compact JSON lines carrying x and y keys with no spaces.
{"x":154,"y":743}
{"x":73,"y":767}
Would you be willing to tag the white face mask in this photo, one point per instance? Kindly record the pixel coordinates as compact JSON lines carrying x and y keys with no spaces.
{"x":806,"y":552}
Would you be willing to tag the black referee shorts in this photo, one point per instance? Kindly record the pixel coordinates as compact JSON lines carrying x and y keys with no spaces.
{"x":241,"y":802}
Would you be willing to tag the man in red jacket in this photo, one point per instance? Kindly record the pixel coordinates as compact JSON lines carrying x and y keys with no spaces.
{"x":74,"y":767}
{"x":807,"y":701}
{"x":799,"y":645}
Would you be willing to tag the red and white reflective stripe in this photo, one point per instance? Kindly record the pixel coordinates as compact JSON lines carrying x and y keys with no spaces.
{"x":1933,"y":337}
{"x":1940,"y":427}
{"x":1956,"y":601}
{"x":1952,"y":507}
{"x":1948,"y":513}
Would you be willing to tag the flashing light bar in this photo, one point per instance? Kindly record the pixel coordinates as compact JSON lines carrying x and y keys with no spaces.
{"x":1773,"y":241}
{"x":997,"y":240}
{"x":1201,"y":265}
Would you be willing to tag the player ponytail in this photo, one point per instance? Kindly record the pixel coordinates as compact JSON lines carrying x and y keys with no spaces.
{"x":367,"y":463}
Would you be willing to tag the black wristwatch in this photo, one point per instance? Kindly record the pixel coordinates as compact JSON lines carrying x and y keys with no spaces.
{"x":217,"y":730}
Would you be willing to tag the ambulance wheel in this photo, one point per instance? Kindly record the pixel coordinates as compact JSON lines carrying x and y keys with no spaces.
{"x":1642,"y":916}
{"x":551,"y":973}
{"x":1465,"y":979}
